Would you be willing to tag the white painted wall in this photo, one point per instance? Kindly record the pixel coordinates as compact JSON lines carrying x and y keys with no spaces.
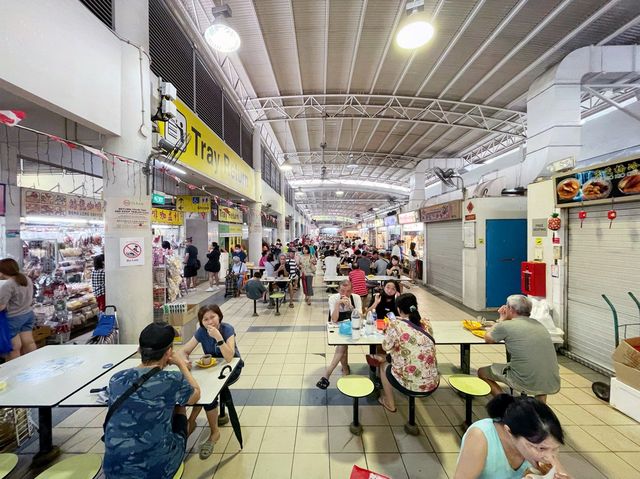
{"x":60,"y":56}
{"x":474,"y":259}
{"x":269,"y":195}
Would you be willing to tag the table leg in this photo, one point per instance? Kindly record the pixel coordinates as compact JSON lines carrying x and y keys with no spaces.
{"x":465,"y":358}
{"x":277,"y":307}
{"x":468,"y":402}
{"x":48,"y":452}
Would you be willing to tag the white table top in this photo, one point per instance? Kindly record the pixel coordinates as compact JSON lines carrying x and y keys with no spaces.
{"x":276,"y":280}
{"x":48,"y":375}
{"x":444,"y":332}
{"x":337,"y":279}
{"x":207,"y":379}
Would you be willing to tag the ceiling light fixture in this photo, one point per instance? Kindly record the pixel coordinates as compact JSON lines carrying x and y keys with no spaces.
{"x":339,"y":193}
{"x":415,"y":30}
{"x":219,"y":35}
{"x":171,"y":167}
{"x":286,"y":167}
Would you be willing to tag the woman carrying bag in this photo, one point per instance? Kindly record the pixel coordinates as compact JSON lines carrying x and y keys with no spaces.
{"x":307,"y":268}
{"x":16,"y":296}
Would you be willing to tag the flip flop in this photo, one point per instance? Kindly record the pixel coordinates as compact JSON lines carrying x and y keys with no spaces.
{"x":381,"y":401}
{"x":323,"y":383}
{"x":206,"y":449}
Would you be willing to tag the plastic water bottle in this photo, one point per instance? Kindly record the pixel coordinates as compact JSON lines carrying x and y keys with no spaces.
{"x":370,"y":327}
{"x":391,"y":316}
{"x":356,"y":324}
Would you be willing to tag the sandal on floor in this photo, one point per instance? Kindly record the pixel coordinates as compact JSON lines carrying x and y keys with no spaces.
{"x":373,"y":361}
{"x":206,"y":449}
{"x":381,"y":401}
{"x":323,"y":383}
{"x":291,"y":305}
{"x":222,"y":420}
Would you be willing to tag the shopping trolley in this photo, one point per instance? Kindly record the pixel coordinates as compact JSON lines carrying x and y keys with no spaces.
{"x":107,"y":330}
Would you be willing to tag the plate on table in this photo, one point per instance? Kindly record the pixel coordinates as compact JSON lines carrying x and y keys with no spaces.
{"x":205,"y":366}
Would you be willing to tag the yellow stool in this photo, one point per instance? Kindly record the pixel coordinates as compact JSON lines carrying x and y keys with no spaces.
{"x":179,"y":472}
{"x":7,"y":463}
{"x":357,"y":387}
{"x":469,"y":387}
{"x":78,"y":466}
{"x":277,"y":297}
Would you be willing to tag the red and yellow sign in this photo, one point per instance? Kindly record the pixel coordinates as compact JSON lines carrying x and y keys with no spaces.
{"x":229,"y":215}
{"x":193,"y":204}
{"x":166,"y":217}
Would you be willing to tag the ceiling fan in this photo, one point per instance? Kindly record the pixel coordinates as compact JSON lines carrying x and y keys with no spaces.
{"x":447,"y":176}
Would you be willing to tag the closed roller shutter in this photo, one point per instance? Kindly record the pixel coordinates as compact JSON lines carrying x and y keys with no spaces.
{"x":444,"y":258}
{"x":601,"y":261}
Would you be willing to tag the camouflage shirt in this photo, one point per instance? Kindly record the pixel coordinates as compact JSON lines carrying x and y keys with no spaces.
{"x":139,"y":439}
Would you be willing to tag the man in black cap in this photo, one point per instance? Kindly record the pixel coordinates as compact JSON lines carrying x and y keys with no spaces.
{"x":146,"y":425}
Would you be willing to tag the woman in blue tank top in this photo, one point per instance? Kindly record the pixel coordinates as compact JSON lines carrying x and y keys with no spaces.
{"x":521,"y":436}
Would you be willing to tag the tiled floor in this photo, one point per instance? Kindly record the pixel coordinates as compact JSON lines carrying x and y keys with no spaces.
{"x":291,"y":429}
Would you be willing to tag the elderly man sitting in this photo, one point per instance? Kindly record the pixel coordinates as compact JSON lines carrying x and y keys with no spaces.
{"x":533,"y":368}
{"x":340,"y":307}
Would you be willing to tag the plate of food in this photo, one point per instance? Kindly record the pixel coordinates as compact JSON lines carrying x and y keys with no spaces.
{"x":568,"y":189}
{"x":630,"y":184}
{"x":596,"y":189}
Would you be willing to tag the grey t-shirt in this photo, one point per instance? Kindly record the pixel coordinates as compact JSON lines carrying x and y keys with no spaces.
{"x":534,"y":364}
{"x":380,"y":267}
{"x":16,"y":298}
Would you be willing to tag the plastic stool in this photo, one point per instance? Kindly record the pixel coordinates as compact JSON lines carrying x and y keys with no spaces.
{"x":357,"y":387}
{"x":7,"y":463}
{"x":179,"y":472}
{"x":78,"y":466}
{"x":277,"y":297}
{"x":470,"y":387}
{"x":410,"y":427}
{"x":255,"y":308}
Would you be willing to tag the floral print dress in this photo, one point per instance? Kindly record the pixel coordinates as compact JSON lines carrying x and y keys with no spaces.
{"x":413,"y":355}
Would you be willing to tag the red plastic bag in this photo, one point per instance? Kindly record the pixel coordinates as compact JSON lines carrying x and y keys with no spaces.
{"x":360,"y":473}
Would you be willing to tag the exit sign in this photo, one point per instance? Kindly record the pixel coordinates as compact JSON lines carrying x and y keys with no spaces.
{"x":157,"y":199}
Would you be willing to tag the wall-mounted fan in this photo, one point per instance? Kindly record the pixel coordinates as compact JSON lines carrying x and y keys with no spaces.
{"x":447,"y":176}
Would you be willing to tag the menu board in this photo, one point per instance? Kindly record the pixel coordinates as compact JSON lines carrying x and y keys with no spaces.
{"x":48,"y":203}
{"x":408,"y":218}
{"x":391,"y":220}
{"x":443,"y":212}
{"x":166,"y":217}
{"x":229,"y":215}
{"x":619,"y":181}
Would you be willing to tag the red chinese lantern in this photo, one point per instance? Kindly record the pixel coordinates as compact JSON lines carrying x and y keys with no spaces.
{"x":612,"y":215}
{"x":582,"y":215}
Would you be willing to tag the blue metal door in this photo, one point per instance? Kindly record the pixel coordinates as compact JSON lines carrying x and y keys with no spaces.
{"x":506,"y":248}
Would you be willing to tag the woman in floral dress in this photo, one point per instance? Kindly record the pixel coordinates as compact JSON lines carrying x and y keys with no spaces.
{"x":410,"y":365}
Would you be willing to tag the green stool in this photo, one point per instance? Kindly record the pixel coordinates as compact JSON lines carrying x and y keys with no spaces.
{"x":357,"y":387}
{"x":179,"y":472}
{"x":469,"y":387}
{"x":7,"y":463}
{"x":78,"y":466}
{"x":277,"y":297}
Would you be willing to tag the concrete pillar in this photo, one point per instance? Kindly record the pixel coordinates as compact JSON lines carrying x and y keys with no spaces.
{"x":416,"y":187}
{"x":282,"y":225}
{"x":11,"y":220}
{"x":292,"y":230}
{"x":129,"y":288}
{"x":255,"y":208}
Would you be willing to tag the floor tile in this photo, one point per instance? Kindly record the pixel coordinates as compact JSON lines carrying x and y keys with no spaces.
{"x":342,"y":464}
{"x":632,"y":458}
{"x":235,"y":465}
{"x":273,"y":466}
{"x":389,"y":464}
{"x":287,"y":397}
{"x":410,"y":444}
{"x":196,"y":468}
{"x":313,"y":416}
{"x":579,"y":467}
{"x":255,"y":415}
{"x":582,"y":441}
{"x":421,"y":465}
{"x":612,"y":466}
{"x":84,"y":440}
{"x":449,"y":462}
{"x":612,"y":438}
{"x":283,"y":416}
{"x":251,"y":440}
{"x":310,"y":466}
{"x":280,"y":439}
{"x":379,"y":439}
{"x":341,"y":440}
{"x":290,"y":382}
{"x":443,"y":439}
{"x":312,"y":439}
{"x":81,"y":418}
{"x":609,"y":415}
{"x":266,"y":382}
{"x":579,"y":415}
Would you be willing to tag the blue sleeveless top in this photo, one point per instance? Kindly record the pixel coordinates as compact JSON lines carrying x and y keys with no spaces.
{"x":496,"y":465}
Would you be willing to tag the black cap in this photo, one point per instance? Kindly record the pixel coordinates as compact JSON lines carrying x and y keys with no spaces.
{"x":156,"y":337}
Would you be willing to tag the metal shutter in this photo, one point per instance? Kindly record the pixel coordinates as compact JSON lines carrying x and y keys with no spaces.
{"x":247,"y":145}
{"x":171,"y":51}
{"x":103,"y":9}
{"x":444,"y":257}
{"x":231,"y":126}
{"x":208,"y":99}
{"x":601,"y":261}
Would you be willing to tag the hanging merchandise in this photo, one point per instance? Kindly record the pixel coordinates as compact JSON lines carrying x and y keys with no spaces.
{"x":582,"y":215}
{"x":612,"y":215}
{"x":554,"y":223}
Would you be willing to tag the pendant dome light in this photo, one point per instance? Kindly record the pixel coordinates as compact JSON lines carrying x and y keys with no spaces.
{"x":415,"y":30}
{"x":219,"y":35}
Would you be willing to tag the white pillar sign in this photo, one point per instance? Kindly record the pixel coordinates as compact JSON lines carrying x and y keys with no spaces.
{"x":131,"y":252}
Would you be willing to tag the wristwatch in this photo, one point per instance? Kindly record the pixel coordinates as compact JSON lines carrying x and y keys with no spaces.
{"x":220,"y":343}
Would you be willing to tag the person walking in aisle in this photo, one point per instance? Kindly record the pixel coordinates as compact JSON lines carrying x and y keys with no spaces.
{"x":412,"y":257}
{"x":213,"y":266}
{"x":191,"y":264}
{"x":16,"y":296}
{"x":307,"y":270}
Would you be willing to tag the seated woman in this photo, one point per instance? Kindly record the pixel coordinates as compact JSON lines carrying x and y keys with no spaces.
{"x":385,"y":301}
{"x":281,"y":270}
{"x":412,"y":354}
{"x":521,"y":434}
{"x":219,"y":340}
{"x":239,"y":270}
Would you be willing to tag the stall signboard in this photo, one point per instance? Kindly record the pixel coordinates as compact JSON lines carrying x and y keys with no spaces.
{"x":615,"y":181}
{"x":408,"y":218}
{"x":229,"y":215}
{"x":378,"y":222}
{"x":227,"y":230}
{"x":207,"y":153}
{"x":48,"y":203}
{"x":167,"y":217}
{"x":193,"y":204}
{"x":451,"y":210}
{"x":391,"y":220}
{"x":157,"y":199}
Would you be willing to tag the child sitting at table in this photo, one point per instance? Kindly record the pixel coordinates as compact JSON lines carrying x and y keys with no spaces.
{"x":219,"y":340}
{"x":254,"y":287}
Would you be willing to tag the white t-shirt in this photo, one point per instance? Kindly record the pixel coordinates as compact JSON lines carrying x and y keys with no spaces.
{"x":331,"y":265}
{"x":396,"y":252}
{"x":350,"y":251}
{"x":335,"y":298}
